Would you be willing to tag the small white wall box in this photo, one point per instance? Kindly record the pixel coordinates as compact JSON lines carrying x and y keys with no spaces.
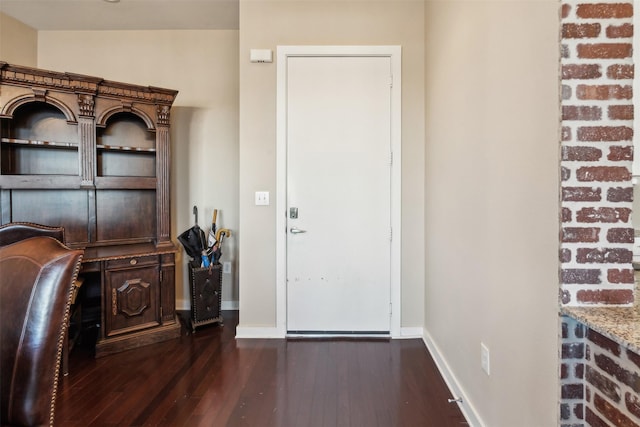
{"x":261,"y":55}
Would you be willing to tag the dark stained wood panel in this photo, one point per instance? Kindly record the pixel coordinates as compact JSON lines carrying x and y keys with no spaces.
{"x":67,"y":208}
{"x":211,"y":379}
{"x":125,"y":215}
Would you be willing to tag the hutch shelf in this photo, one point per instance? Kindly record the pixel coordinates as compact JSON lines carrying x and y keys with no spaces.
{"x":93,"y":156}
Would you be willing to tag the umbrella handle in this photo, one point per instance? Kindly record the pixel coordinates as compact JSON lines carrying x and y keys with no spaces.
{"x":195,"y":213}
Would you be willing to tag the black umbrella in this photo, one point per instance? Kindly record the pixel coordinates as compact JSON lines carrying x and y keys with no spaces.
{"x":194,"y":240}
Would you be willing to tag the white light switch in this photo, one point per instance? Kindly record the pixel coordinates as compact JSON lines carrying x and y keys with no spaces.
{"x":262,"y":198}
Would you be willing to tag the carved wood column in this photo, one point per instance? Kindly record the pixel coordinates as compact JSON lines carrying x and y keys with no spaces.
{"x":87,"y":133}
{"x":163,"y":165}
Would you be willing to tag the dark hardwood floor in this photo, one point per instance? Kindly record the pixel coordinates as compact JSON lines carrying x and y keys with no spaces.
{"x":211,"y":379}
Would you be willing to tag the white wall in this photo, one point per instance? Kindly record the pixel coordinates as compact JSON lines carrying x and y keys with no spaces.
{"x":492,"y":150}
{"x":203,"y":67}
{"x":18,"y":42}
{"x":267,"y":24}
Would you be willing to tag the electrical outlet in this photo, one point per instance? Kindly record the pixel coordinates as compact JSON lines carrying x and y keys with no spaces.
{"x":484,"y":358}
{"x":226,"y":267}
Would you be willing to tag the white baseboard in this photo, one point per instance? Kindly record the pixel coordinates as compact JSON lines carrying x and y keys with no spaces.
{"x":230,"y":305}
{"x":406,"y":333}
{"x":258,"y":332}
{"x":456,"y":389}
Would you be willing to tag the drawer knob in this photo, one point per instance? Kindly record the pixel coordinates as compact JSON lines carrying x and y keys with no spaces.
{"x":133,"y":261}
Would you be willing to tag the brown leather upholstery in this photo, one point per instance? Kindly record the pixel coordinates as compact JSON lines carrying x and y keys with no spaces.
{"x":16,"y":231}
{"x":36,"y":282}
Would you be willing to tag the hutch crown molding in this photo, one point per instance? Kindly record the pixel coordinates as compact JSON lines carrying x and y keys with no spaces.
{"x":93,"y":156}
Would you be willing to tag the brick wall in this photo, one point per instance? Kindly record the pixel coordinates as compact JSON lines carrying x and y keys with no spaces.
{"x":600,"y":380}
{"x":572,"y":355}
{"x":596,"y":238}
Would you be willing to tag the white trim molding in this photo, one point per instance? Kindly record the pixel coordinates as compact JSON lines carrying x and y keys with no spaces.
{"x":466,"y":407}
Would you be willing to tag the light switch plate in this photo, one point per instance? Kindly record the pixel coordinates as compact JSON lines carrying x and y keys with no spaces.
{"x":262,"y":198}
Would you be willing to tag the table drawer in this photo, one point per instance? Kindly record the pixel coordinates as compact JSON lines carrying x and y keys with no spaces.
{"x":134,"y":261}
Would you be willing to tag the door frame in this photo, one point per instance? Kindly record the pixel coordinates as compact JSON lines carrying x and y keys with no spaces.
{"x":283,"y":53}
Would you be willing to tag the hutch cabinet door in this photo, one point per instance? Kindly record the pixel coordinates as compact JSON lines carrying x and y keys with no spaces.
{"x":131,"y":299}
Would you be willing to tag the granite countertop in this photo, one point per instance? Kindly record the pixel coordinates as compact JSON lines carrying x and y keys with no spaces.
{"x":621,"y":324}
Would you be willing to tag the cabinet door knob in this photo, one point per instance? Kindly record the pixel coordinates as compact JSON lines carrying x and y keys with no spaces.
{"x":133,"y":261}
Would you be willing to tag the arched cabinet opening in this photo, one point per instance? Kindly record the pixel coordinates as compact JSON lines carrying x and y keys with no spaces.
{"x":38,"y":140}
{"x":126,"y":147}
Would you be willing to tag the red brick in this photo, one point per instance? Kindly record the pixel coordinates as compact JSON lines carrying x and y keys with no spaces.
{"x":604,"y":92}
{"x":581,"y":154}
{"x":566,"y":8}
{"x":611,"y":367}
{"x":611,"y":413}
{"x":572,"y":391}
{"x":621,"y":112}
{"x":605,"y":296}
{"x":603,"y":384}
{"x":605,"y":133}
{"x":603,"y":174}
{"x":566,"y":133}
{"x":605,"y":10}
{"x":580,"y":234}
{"x":572,"y":351}
{"x":620,"y":194}
{"x":565,"y":52}
{"x":621,"y":31}
{"x":632,"y":402}
{"x":565,"y":173}
{"x":574,"y":112}
{"x":565,"y":412}
{"x":580,"y":276}
{"x":564,"y":328}
{"x":617,"y":153}
{"x":603,"y":342}
{"x":620,"y":71}
{"x":605,"y":214}
{"x":624,"y":276}
{"x":566,"y":92}
{"x":620,"y":235}
{"x":603,"y":255}
{"x":565,"y":296}
{"x":581,"y":71}
{"x":580,"y":31}
{"x":605,"y":50}
{"x":566,"y":215}
{"x":581,"y":194}
{"x":579,"y":370}
{"x":633,"y":357}
{"x":565,"y":255}
{"x":594,"y":420}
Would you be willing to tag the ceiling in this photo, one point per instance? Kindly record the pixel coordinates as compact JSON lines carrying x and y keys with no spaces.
{"x":77,"y":15}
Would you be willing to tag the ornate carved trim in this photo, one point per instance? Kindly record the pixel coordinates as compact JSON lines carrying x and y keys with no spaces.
{"x":86,"y":104}
{"x":104,"y":117}
{"x":163,"y":112}
{"x":9,"y":109}
{"x":69,"y":82}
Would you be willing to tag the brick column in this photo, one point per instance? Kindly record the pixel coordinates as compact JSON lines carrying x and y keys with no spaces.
{"x":596,"y":238}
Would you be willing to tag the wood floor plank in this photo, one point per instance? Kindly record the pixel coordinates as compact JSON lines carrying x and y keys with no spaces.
{"x":209,"y":378}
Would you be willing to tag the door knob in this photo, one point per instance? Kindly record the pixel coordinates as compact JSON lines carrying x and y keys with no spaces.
{"x":297,"y":230}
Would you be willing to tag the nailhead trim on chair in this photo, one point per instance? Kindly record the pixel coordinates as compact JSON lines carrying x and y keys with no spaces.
{"x":61,"y":338}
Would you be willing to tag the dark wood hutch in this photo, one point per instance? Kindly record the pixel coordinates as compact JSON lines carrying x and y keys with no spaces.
{"x":93,"y":156}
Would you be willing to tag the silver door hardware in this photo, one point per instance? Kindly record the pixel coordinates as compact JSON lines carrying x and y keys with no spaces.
{"x":297,"y":230}
{"x":293,"y":213}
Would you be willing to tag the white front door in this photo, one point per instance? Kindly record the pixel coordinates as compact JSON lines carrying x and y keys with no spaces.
{"x":338,"y":194}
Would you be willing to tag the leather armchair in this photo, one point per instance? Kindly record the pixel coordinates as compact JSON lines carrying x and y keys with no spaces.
{"x":37,"y":278}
